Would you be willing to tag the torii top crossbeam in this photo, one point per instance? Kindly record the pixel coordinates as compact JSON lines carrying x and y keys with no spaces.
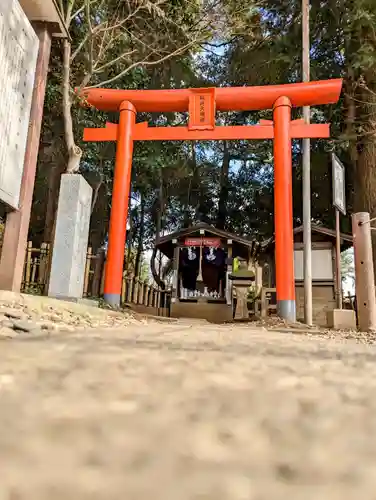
{"x":226,"y":98}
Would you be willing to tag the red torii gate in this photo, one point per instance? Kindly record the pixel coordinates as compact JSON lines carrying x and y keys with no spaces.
{"x":202,"y":105}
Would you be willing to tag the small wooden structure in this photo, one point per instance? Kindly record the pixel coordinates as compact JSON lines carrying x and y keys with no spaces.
{"x":202,"y":258}
{"x":324,"y":288}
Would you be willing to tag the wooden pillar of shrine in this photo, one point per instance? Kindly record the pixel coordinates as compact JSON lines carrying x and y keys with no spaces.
{"x":228,"y":272}
{"x":175,"y":278}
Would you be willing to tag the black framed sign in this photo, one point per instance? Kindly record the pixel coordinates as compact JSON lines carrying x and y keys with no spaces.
{"x":338,"y":180}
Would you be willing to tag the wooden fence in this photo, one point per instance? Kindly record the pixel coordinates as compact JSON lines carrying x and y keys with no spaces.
{"x":135,"y":291}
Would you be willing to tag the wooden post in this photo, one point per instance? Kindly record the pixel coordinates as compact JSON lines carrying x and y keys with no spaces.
{"x":43,"y":264}
{"x":338,"y":262}
{"x":258,"y":278}
{"x":28,"y":263}
{"x":129,"y":289}
{"x":158,"y":299}
{"x":98,"y":272}
{"x":228,"y":290}
{"x":306,"y":149}
{"x":175,"y":279}
{"x":87,"y":271}
{"x":123,"y":290}
{"x":140,"y":299}
{"x":102,"y":279}
{"x":364,"y":278}
{"x":264,"y":304}
{"x":199,"y":277}
{"x":135,"y":290}
{"x":34,"y":266}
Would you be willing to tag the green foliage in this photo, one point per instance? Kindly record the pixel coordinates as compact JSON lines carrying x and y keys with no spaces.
{"x":347,"y":267}
{"x":226,"y":43}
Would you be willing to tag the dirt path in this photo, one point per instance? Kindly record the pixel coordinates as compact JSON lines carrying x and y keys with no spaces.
{"x":178,"y":412}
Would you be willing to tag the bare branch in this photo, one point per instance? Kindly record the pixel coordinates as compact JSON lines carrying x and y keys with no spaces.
{"x":145,"y":62}
{"x":84,"y":42}
{"x":61,"y":7}
{"x":91,"y":47}
{"x":121,"y":23}
{"x":114,"y":61}
{"x":132,"y":35}
{"x":91,"y":31}
{"x":87,"y":10}
{"x":86,"y":79}
{"x":69,"y":12}
{"x":78,"y":11}
{"x":100,"y":51}
{"x":96,"y":191}
{"x":74,"y":152}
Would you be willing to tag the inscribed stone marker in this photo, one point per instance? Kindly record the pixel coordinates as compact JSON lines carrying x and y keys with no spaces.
{"x":71,"y":238}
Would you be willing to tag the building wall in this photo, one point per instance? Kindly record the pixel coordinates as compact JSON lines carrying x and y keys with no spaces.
{"x":323,"y":286}
{"x":151,"y":311}
{"x":323,"y":300}
{"x":214,"y":313}
{"x":322,"y":264}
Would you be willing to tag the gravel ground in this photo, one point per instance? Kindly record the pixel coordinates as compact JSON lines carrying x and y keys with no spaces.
{"x":179,"y":411}
{"x":17,"y":318}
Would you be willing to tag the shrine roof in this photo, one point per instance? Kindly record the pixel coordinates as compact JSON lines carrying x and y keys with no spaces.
{"x":45,"y":11}
{"x":319,"y":233}
{"x":242,"y":245}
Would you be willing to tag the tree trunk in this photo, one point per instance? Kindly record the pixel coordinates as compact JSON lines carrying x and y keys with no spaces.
{"x":128,"y":259}
{"x":95,"y":195}
{"x":350,"y":119}
{"x":365,"y":172}
{"x":187,"y":213}
{"x":52,"y":200}
{"x":140,"y":239}
{"x":158,"y":232}
{"x":160,"y":209}
{"x":99,"y":220}
{"x":187,"y":221}
{"x":223,"y":193}
{"x":74,"y":152}
{"x":154,"y":272}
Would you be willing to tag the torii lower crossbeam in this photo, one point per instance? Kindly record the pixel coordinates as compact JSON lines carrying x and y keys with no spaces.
{"x":142,"y":132}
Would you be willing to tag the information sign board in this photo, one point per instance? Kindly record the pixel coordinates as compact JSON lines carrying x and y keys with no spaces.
{"x":18,"y":56}
{"x":338,"y":176}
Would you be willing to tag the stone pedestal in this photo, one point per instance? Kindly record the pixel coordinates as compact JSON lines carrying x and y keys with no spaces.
{"x":242,"y":280}
{"x":341,"y":319}
{"x":71,"y":238}
{"x":241,"y":311}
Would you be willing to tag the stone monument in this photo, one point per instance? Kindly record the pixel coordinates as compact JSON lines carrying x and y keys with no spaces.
{"x":71,"y":238}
